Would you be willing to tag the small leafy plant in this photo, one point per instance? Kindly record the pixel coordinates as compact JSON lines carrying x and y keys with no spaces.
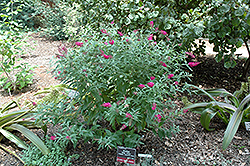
{"x":13,"y":76}
{"x":57,"y":156}
{"x":233,"y":111}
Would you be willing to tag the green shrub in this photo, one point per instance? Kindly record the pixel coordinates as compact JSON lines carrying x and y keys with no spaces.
{"x":124,"y":85}
{"x":13,"y":76}
{"x":227,"y":27}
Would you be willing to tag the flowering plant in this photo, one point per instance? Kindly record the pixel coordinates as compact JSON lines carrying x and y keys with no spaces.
{"x":123,"y":87}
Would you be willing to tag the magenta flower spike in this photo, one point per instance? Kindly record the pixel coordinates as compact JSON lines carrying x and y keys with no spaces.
{"x":108,"y":105}
{"x":119,"y":33}
{"x":163,"y":64}
{"x":190,"y":54}
{"x":128,"y":115}
{"x":104,"y":31}
{"x":52,"y":138}
{"x":141,"y":86}
{"x":79,"y":44}
{"x":154,"y":106}
{"x":150,"y":84}
{"x":192,"y":64}
{"x":150,"y":37}
{"x":185,"y":111}
{"x":151,"y":23}
{"x":152,"y":78}
{"x":111,"y":42}
{"x":163,"y":32}
{"x":123,"y":127}
{"x":107,"y":56}
{"x":170,"y":76}
{"x":158,"y":118}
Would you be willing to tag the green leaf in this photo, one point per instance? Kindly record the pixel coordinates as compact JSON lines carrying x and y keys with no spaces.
{"x":7,"y":85}
{"x":235,"y":22}
{"x":239,"y":43}
{"x":227,"y":64}
{"x":239,"y":11}
{"x":31,"y":136}
{"x":248,"y":19}
{"x":161,"y":133}
{"x":224,"y":9}
{"x":22,"y":84}
{"x":234,"y":123}
{"x":197,"y":105}
{"x":217,"y":92}
{"x":221,"y":34}
{"x":218,"y":57}
{"x":13,"y":139}
{"x":206,"y":117}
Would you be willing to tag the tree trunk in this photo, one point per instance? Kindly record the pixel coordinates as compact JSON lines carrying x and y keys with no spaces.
{"x":246,"y":65}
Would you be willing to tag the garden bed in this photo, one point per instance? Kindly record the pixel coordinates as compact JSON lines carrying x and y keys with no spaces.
{"x":193,"y":145}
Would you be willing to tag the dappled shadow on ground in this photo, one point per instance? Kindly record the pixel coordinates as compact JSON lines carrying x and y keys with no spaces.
{"x":210,"y":74}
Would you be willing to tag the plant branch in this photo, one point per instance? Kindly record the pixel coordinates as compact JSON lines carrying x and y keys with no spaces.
{"x":247,"y":63}
{"x":9,"y":77}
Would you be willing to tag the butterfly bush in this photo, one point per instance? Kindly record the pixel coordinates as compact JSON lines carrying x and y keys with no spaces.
{"x":124,"y":85}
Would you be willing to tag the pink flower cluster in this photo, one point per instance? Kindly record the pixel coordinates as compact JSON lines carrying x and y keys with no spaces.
{"x":63,"y":51}
{"x":158,"y":118}
{"x":111,"y":42}
{"x":192,"y":64}
{"x":163,"y":64}
{"x":151,"y":23}
{"x":163,"y":32}
{"x":79,"y":44}
{"x":52,"y":138}
{"x":150,"y":84}
{"x":150,"y":37}
{"x":104,"y":55}
{"x":156,"y":29}
{"x":141,"y":86}
{"x":108,"y":105}
{"x":170,"y":76}
{"x":128,"y":115}
{"x":104,"y":31}
{"x":154,"y":106}
{"x":123,"y":127}
{"x":119,"y":33}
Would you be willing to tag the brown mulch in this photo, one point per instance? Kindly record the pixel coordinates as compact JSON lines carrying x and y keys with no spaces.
{"x":191,"y":146}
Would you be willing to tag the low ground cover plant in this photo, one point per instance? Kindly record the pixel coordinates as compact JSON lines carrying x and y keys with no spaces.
{"x":56,"y":156}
